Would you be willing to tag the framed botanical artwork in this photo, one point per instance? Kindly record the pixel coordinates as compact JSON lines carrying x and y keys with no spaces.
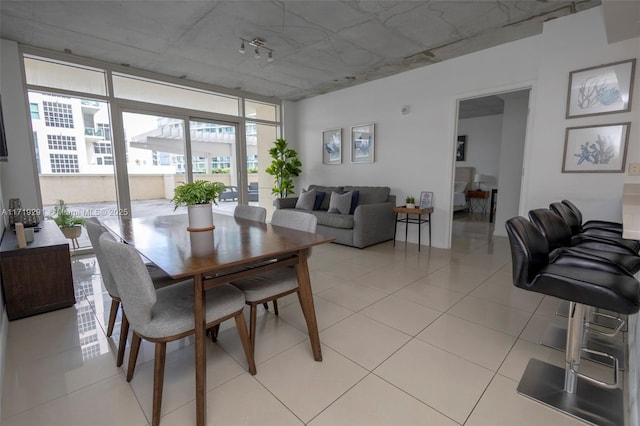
{"x":596,"y":149}
{"x":603,"y":89}
{"x":461,"y":148}
{"x":426,"y":200}
{"x":332,"y":146}
{"x":362,"y":143}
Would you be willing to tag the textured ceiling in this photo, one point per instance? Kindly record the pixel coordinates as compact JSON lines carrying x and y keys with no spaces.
{"x":319,"y":46}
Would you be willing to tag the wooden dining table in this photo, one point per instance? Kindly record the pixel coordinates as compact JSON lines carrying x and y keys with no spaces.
{"x":235,"y":249}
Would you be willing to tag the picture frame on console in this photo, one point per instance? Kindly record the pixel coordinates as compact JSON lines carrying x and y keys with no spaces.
{"x":332,"y":146}
{"x":602,"y":89}
{"x":363,"y":143}
{"x":596,"y":149}
{"x":426,"y":199}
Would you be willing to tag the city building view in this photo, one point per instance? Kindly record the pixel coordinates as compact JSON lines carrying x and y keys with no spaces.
{"x":76,"y":151}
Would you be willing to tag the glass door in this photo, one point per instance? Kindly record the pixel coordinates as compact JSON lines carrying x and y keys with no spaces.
{"x":214,"y":158}
{"x":156,"y":162}
{"x":260,"y":137}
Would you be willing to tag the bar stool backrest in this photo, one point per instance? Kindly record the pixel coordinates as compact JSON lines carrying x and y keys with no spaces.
{"x":529,"y":250}
{"x":553,"y":228}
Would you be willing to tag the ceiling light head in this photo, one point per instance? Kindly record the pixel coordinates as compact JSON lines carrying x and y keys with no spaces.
{"x":258,"y":44}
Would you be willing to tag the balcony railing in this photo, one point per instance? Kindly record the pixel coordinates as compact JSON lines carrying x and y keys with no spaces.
{"x":89,"y":131}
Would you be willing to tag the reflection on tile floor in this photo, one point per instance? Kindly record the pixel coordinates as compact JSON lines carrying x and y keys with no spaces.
{"x":438,"y":337}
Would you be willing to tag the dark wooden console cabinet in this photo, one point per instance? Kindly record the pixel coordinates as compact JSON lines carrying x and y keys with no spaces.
{"x":37,"y":278}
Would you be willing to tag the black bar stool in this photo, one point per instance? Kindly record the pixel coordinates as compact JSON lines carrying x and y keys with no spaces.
{"x":567,"y":389}
{"x":590,"y":248}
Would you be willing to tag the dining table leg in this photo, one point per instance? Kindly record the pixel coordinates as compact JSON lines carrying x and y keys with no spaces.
{"x":201,"y":366}
{"x":305,"y":295}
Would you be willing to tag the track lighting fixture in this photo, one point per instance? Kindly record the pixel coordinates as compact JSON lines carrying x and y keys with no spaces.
{"x":258,"y":44}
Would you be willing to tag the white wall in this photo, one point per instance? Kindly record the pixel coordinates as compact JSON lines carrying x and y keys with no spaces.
{"x":415,"y":152}
{"x":15,"y":122}
{"x":513,"y":132}
{"x":571,"y":43}
{"x":483,"y":147}
{"x":19,"y":173}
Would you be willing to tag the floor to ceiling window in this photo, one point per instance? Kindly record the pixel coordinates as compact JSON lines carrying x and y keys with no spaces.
{"x":131,"y":163}
{"x":74,"y":154}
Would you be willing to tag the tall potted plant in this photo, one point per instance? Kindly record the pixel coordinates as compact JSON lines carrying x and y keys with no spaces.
{"x":284,"y":167}
{"x":198,"y":196}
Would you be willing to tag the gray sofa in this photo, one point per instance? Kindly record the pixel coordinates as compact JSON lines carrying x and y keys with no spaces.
{"x":372,"y":221}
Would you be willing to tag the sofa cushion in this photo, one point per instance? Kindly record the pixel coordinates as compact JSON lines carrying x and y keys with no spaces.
{"x":319,"y":199}
{"x":306,"y":200}
{"x":370,"y":194}
{"x":327,"y":190}
{"x":354,"y":201}
{"x":340,"y":203}
{"x":334,"y":220}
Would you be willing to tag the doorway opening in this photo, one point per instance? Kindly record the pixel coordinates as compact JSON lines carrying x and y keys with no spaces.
{"x":490,"y":135}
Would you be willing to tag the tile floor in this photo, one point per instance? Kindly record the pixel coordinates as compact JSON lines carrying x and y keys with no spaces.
{"x":439,"y":337}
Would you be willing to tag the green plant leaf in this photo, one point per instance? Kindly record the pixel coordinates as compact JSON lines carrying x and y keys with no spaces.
{"x":197,"y":192}
{"x":63,"y":217}
{"x":284,"y":167}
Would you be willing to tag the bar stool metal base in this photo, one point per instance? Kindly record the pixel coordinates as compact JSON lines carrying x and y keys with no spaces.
{"x":563,"y":311}
{"x":544,"y":383}
{"x":555,"y":336}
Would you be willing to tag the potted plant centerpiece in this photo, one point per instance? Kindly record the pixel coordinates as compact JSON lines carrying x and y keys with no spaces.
{"x":198,"y":196}
{"x":284,"y":167}
{"x":70,"y":224}
{"x":411,"y":202}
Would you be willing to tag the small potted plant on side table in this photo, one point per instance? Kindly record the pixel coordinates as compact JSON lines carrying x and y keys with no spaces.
{"x":198,"y":196}
{"x":411,"y":202}
{"x":70,"y":224}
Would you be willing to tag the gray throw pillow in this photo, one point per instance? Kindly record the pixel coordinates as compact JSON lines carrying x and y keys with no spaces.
{"x":340,"y":203}
{"x":306,"y":200}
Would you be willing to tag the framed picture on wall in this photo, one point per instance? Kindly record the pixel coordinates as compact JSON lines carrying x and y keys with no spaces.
{"x":603,"y":89}
{"x":362,"y":143}
{"x":596,"y":149}
{"x":332,"y":146}
{"x":461,"y":148}
{"x":426,"y":200}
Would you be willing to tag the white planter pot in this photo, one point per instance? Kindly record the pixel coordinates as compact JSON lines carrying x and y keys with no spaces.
{"x":411,"y":206}
{"x":200,"y":217}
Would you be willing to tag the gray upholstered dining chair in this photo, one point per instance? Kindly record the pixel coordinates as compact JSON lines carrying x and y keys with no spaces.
{"x":159,"y":278}
{"x":256,"y":214}
{"x":166,"y":314}
{"x":272,"y":285}
{"x":259,"y":214}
